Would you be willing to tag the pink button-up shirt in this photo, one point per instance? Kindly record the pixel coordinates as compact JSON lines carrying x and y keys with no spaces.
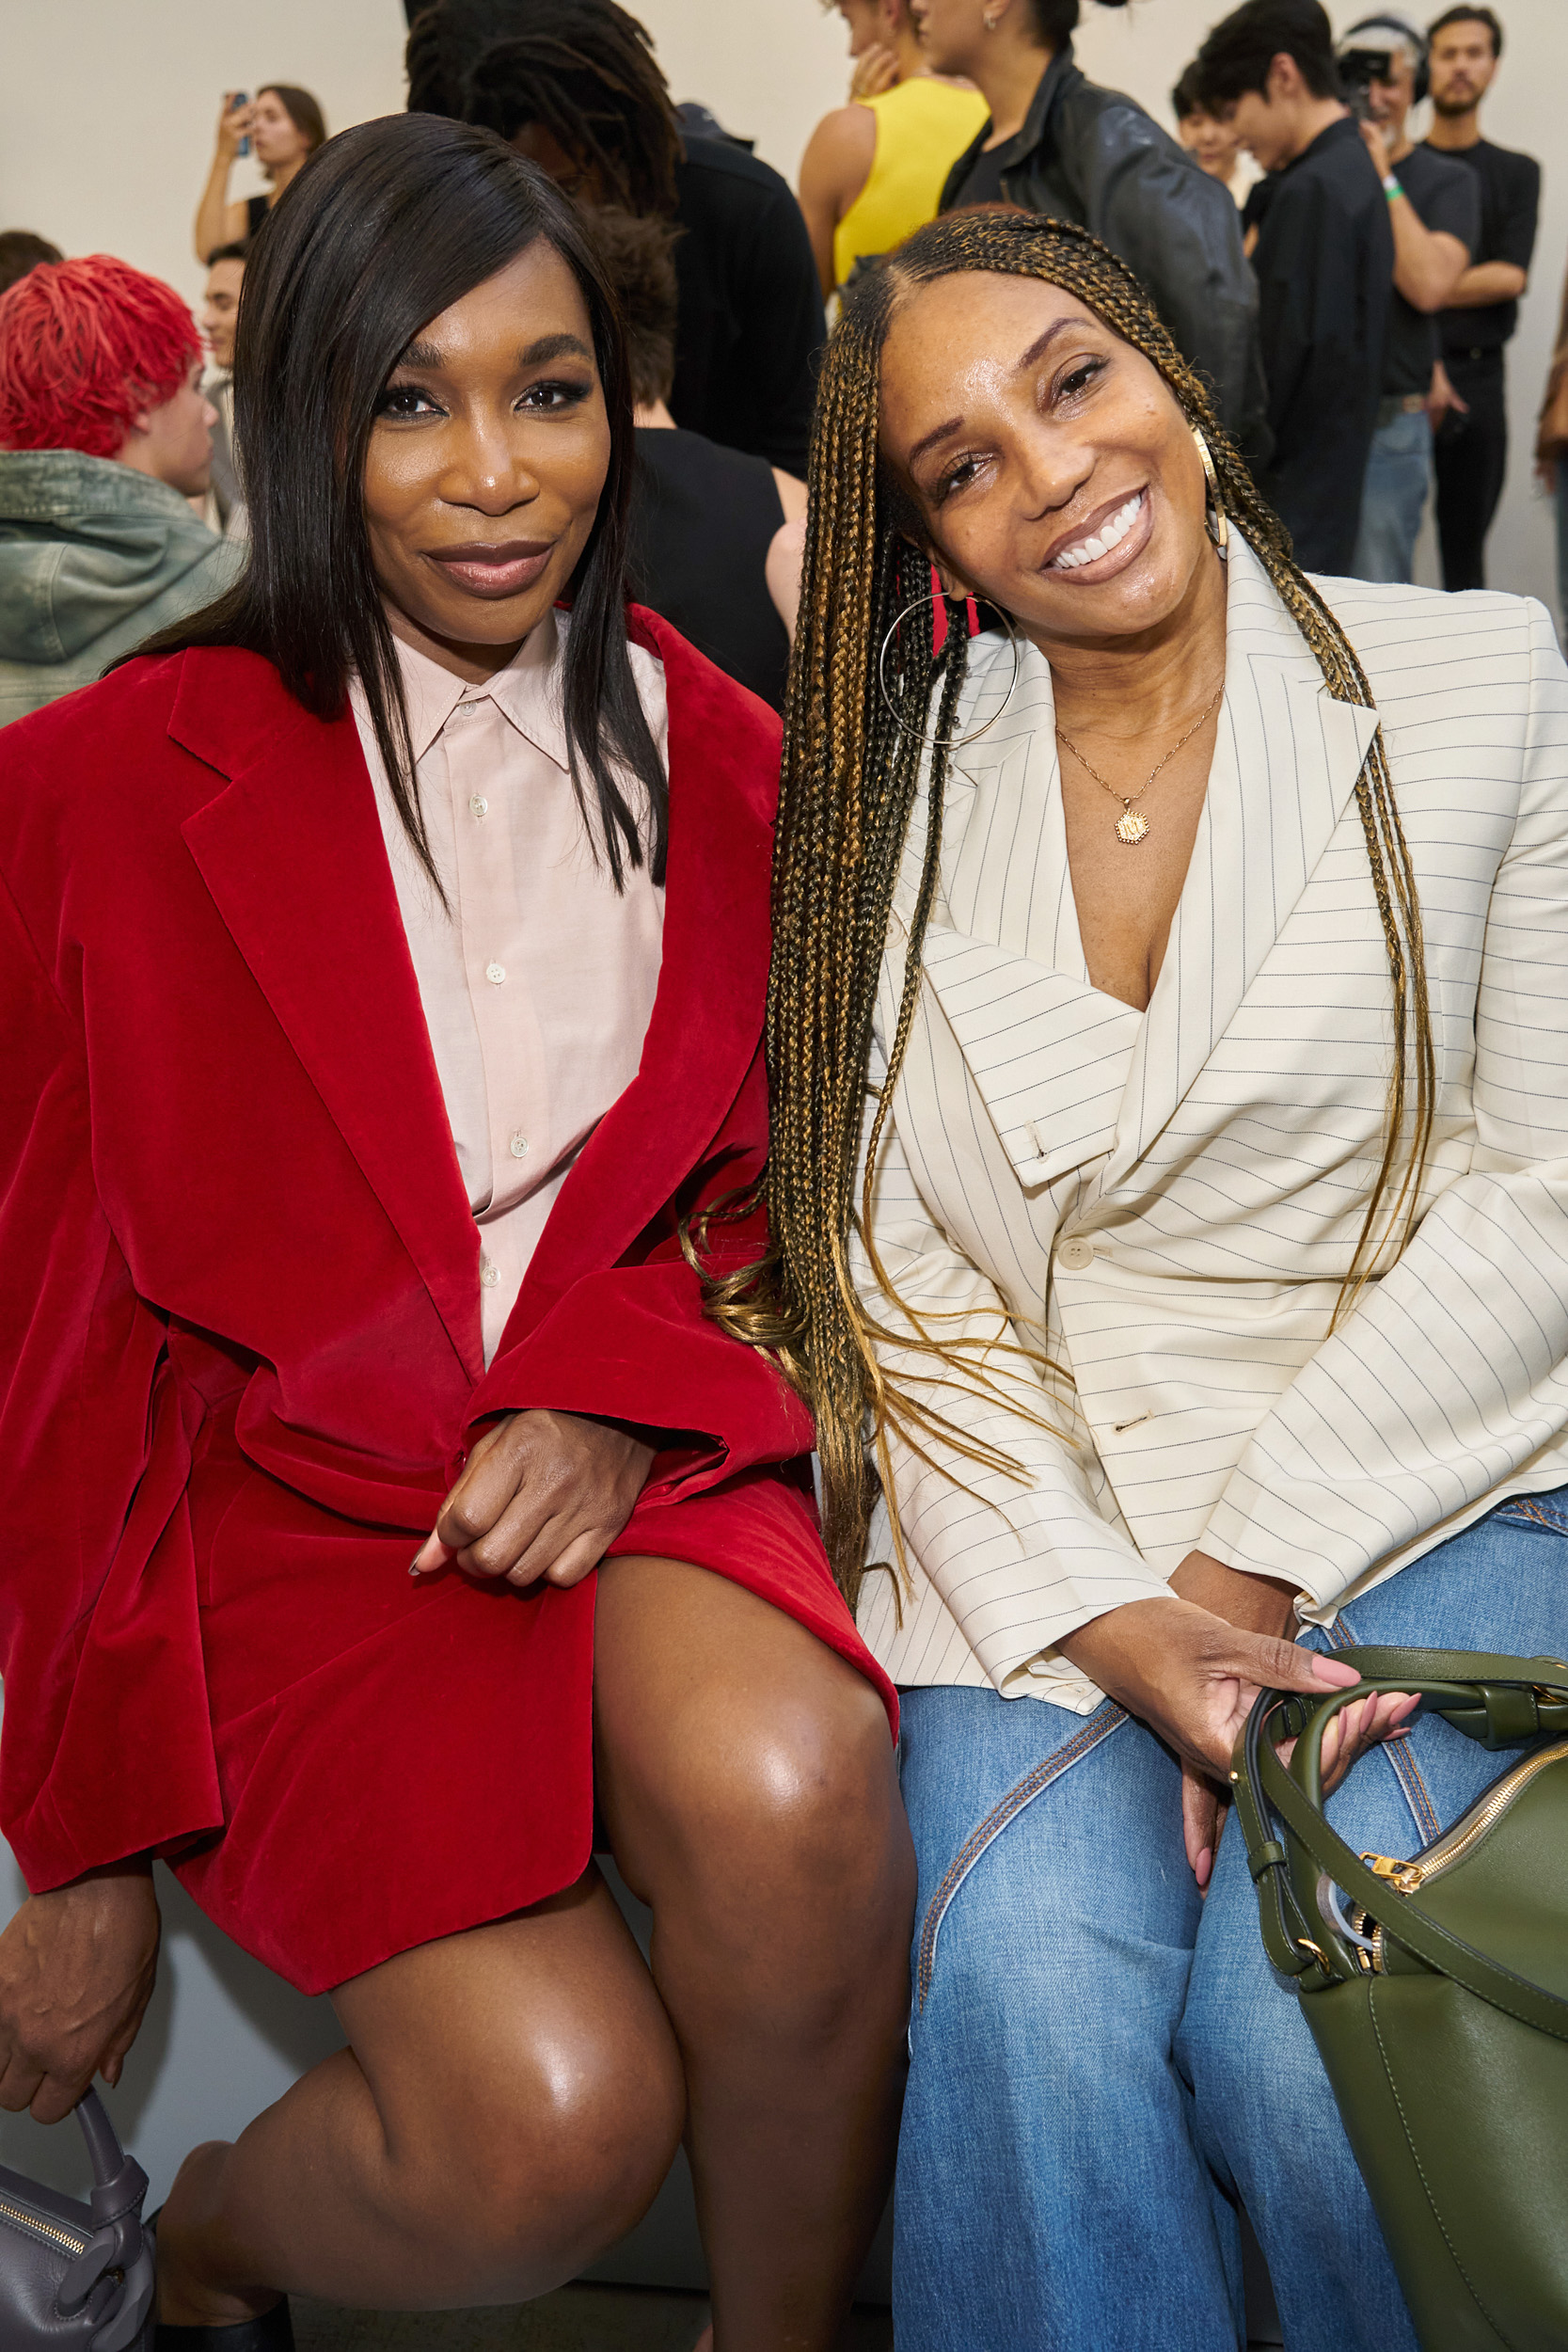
{"x":538,"y":983}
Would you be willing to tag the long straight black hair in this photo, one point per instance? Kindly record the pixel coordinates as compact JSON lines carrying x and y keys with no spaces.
{"x":386,"y":227}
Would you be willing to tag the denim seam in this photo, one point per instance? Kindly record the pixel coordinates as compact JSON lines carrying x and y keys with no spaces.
{"x":1524,"y":1507}
{"x":1406,"y":1771}
{"x":1101,"y":1723}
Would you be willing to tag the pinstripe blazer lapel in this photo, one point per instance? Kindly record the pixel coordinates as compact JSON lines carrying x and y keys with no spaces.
{"x":1286,"y":761}
{"x":1002,"y":954}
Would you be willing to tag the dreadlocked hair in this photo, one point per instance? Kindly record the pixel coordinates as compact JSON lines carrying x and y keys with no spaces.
{"x":850,"y":778}
{"x":585,"y":71}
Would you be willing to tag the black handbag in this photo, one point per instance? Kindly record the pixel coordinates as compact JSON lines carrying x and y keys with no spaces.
{"x":74,"y":2274}
{"x":1436,"y":1990}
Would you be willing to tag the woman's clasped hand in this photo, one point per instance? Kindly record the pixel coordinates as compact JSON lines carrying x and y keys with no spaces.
{"x":541,"y":1494}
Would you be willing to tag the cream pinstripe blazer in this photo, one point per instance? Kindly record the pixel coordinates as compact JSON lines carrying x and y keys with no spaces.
{"x":1165,"y":1203}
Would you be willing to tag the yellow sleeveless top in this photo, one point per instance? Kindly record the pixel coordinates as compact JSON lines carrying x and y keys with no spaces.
{"x":923,"y":127}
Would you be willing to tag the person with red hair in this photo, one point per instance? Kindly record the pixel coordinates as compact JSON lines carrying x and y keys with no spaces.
{"x":105,"y":438}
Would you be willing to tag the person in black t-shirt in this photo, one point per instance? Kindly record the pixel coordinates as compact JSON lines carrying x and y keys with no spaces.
{"x":1324,"y":261}
{"x":1435,"y":217}
{"x":1483,"y":309}
{"x":574,"y":85}
{"x":703,"y":519}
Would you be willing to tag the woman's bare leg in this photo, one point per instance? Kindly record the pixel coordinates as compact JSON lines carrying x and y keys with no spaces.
{"x":511,"y":2103}
{"x":747,"y":1777}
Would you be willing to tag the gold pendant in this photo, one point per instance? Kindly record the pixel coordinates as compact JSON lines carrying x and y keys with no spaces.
{"x":1131,"y":827}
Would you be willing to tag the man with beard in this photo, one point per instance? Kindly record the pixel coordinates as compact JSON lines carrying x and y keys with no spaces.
{"x":1471,"y":453}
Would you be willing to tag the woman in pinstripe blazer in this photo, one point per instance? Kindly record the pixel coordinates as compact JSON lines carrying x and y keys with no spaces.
{"x":1198,"y":1260}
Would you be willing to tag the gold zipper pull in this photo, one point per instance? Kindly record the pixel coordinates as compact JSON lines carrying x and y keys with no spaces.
{"x":1405,"y":1876}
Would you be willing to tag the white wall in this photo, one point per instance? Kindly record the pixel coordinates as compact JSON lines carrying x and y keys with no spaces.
{"x":107,"y":107}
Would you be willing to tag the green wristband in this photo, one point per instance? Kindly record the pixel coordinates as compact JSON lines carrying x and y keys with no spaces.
{"x":1392,"y":188}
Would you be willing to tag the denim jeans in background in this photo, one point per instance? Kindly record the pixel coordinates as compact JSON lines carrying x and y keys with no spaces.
{"x":1104,"y":2066}
{"x":1393,"y":499}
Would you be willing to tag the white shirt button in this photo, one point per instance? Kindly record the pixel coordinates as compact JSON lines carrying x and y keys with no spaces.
{"x":488,"y":1274}
{"x":517,"y":1145}
{"x":494,"y":974}
{"x":479,"y":805}
{"x":1075,"y":1257}
{"x":466,"y":710}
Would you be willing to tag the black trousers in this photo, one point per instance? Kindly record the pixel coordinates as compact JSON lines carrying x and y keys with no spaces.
{"x":1471,"y":458}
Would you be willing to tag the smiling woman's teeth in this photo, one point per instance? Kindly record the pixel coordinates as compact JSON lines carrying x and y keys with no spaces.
{"x":1109,"y":536}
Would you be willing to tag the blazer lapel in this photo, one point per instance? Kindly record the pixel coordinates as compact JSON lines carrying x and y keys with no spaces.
{"x":706,"y":1022}
{"x":293,"y":855}
{"x":1286,"y":761}
{"x":1048,"y":1052}
{"x":1002,"y":953}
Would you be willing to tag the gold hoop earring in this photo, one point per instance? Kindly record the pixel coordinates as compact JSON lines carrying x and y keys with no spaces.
{"x":1219,"y":530}
{"x":956,"y":614}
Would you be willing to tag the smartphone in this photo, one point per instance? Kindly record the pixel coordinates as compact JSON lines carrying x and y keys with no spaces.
{"x":241,"y":98}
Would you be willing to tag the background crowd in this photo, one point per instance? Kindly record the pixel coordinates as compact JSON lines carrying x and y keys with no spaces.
{"x":1349,"y":290}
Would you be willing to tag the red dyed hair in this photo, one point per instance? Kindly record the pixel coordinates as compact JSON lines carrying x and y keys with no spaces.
{"x":83,"y":347}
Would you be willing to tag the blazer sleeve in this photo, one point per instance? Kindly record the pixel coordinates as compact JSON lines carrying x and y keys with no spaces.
{"x":1452,"y":1372}
{"x":108,"y":1749}
{"x":1020,"y":1559}
{"x":634,"y":1342}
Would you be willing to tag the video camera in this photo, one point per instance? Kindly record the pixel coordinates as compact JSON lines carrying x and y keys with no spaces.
{"x":1366,"y":58}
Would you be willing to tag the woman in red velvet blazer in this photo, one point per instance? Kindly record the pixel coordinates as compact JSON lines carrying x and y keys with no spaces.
{"x":243,"y":1378}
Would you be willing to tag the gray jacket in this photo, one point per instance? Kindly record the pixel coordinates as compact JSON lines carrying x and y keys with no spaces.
{"x":93,"y":558}
{"x":1092,"y":156}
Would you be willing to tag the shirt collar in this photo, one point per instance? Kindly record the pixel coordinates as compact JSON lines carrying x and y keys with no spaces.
{"x":1031,"y":133}
{"x":527,"y":692}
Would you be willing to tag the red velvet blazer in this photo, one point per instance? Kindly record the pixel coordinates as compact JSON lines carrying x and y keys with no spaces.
{"x":239,"y":1317}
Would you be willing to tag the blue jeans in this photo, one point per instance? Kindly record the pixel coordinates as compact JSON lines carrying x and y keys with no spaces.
{"x":1393,"y":499}
{"x":1104,"y":2067}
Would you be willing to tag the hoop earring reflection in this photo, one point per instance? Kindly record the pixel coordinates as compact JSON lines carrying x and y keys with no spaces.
{"x":956,"y":609}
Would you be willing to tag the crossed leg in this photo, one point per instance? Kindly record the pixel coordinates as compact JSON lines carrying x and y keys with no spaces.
{"x":512,"y":2097}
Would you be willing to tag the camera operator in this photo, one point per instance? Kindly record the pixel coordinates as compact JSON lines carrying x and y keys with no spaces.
{"x":1483,"y":308}
{"x":1434,"y":213}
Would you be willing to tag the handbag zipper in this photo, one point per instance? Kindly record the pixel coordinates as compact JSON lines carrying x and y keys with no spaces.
{"x":75,"y":2241}
{"x":1466,"y":1832}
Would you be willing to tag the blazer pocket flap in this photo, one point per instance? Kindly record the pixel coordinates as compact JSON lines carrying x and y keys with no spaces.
{"x":1048,"y":1052}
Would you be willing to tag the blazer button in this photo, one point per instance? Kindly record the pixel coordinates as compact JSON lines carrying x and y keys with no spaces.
{"x":1075,"y":1257}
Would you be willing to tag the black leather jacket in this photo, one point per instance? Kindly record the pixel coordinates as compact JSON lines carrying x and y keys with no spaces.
{"x":1092,"y":156}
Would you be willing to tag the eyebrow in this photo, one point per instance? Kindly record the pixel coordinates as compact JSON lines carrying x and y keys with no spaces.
{"x":1035,"y":351}
{"x":561,"y":347}
{"x":544,"y":347}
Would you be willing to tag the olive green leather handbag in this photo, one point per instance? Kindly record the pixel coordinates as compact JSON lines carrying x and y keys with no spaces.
{"x":1436,"y":1990}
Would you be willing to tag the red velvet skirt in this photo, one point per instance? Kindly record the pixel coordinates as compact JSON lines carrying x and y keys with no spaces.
{"x":402,"y":1759}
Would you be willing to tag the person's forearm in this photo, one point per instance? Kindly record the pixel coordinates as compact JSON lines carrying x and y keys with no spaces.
{"x":1485,"y":282}
{"x":211,"y":213}
{"x":1426,"y":267}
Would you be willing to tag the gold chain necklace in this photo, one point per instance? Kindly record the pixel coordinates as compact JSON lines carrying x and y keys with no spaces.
{"x":1132,"y":825}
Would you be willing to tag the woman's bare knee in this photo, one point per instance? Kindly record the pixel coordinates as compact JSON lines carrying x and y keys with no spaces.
{"x":753,"y":1791}
{"x":529,"y":2121}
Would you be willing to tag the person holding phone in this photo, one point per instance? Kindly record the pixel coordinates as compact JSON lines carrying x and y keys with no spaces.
{"x":283,"y":126}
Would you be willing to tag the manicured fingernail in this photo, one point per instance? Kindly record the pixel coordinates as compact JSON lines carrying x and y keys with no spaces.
{"x":414,"y":1566}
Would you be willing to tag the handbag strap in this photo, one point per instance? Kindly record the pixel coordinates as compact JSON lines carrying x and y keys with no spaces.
{"x":120,"y":2243}
{"x":1262,"y":1783}
{"x":1496,"y":1700}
